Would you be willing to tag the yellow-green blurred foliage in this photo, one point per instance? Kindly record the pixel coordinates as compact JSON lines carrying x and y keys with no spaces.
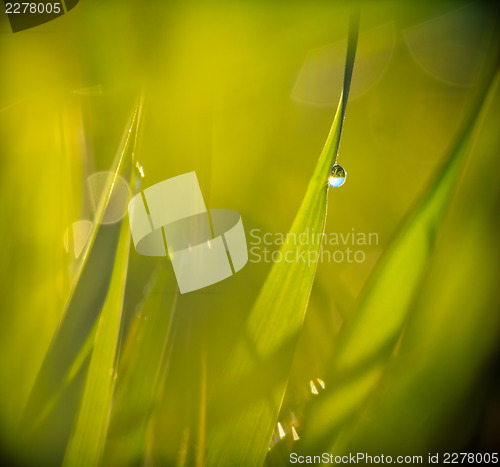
{"x":244,"y":93}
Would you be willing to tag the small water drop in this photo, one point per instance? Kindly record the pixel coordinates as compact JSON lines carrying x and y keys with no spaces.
{"x":295,"y":435}
{"x":337,"y":176}
{"x":140,"y":169}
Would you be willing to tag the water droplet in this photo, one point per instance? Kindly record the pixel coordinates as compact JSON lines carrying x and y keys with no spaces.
{"x":295,"y":435}
{"x":321,"y":382}
{"x":337,"y":176}
{"x":140,"y":169}
{"x":314,"y":389}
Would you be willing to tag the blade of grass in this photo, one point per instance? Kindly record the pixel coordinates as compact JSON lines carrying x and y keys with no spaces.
{"x":41,"y":174}
{"x":202,"y":412}
{"x":89,"y":435}
{"x":372,"y":335}
{"x":141,"y":365}
{"x":85,"y":301}
{"x":258,"y":371}
{"x":437,"y":387}
{"x":88,"y":438}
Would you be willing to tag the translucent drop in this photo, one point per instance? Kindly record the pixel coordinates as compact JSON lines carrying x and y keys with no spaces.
{"x":140,"y":169}
{"x":337,"y":176}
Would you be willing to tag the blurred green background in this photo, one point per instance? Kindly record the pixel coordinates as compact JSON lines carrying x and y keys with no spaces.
{"x":244,"y":93}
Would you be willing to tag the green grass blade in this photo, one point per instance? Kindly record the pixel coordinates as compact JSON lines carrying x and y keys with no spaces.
{"x":245,"y":412}
{"x":87,"y":441}
{"x":43,"y":151}
{"x":372,"y":335}
{"x":141,"y":365}
{"x":453,"y":332}
{"x":430,"y":391}
{"x":352,"y":44}
{"x":85,"y":301}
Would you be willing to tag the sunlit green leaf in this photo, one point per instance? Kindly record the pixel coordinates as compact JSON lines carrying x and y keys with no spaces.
{"x":89,"y":435}
{"x":445,"y":351}
{"x":67,"y":356}
{"x":142,"y":361}
{"x":372,"y":335}
{"x":262,"y":362}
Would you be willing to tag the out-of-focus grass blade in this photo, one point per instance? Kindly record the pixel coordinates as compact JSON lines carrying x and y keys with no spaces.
{"x":85,"y":302}
{"x":372,"y":335}
{"x":88,"y":438}
{"x":39,"y":139}
{"x":141,"y":362}
{"x":445,"y":362}
{"x":246,"y":411}
{"x":89,"y":435}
